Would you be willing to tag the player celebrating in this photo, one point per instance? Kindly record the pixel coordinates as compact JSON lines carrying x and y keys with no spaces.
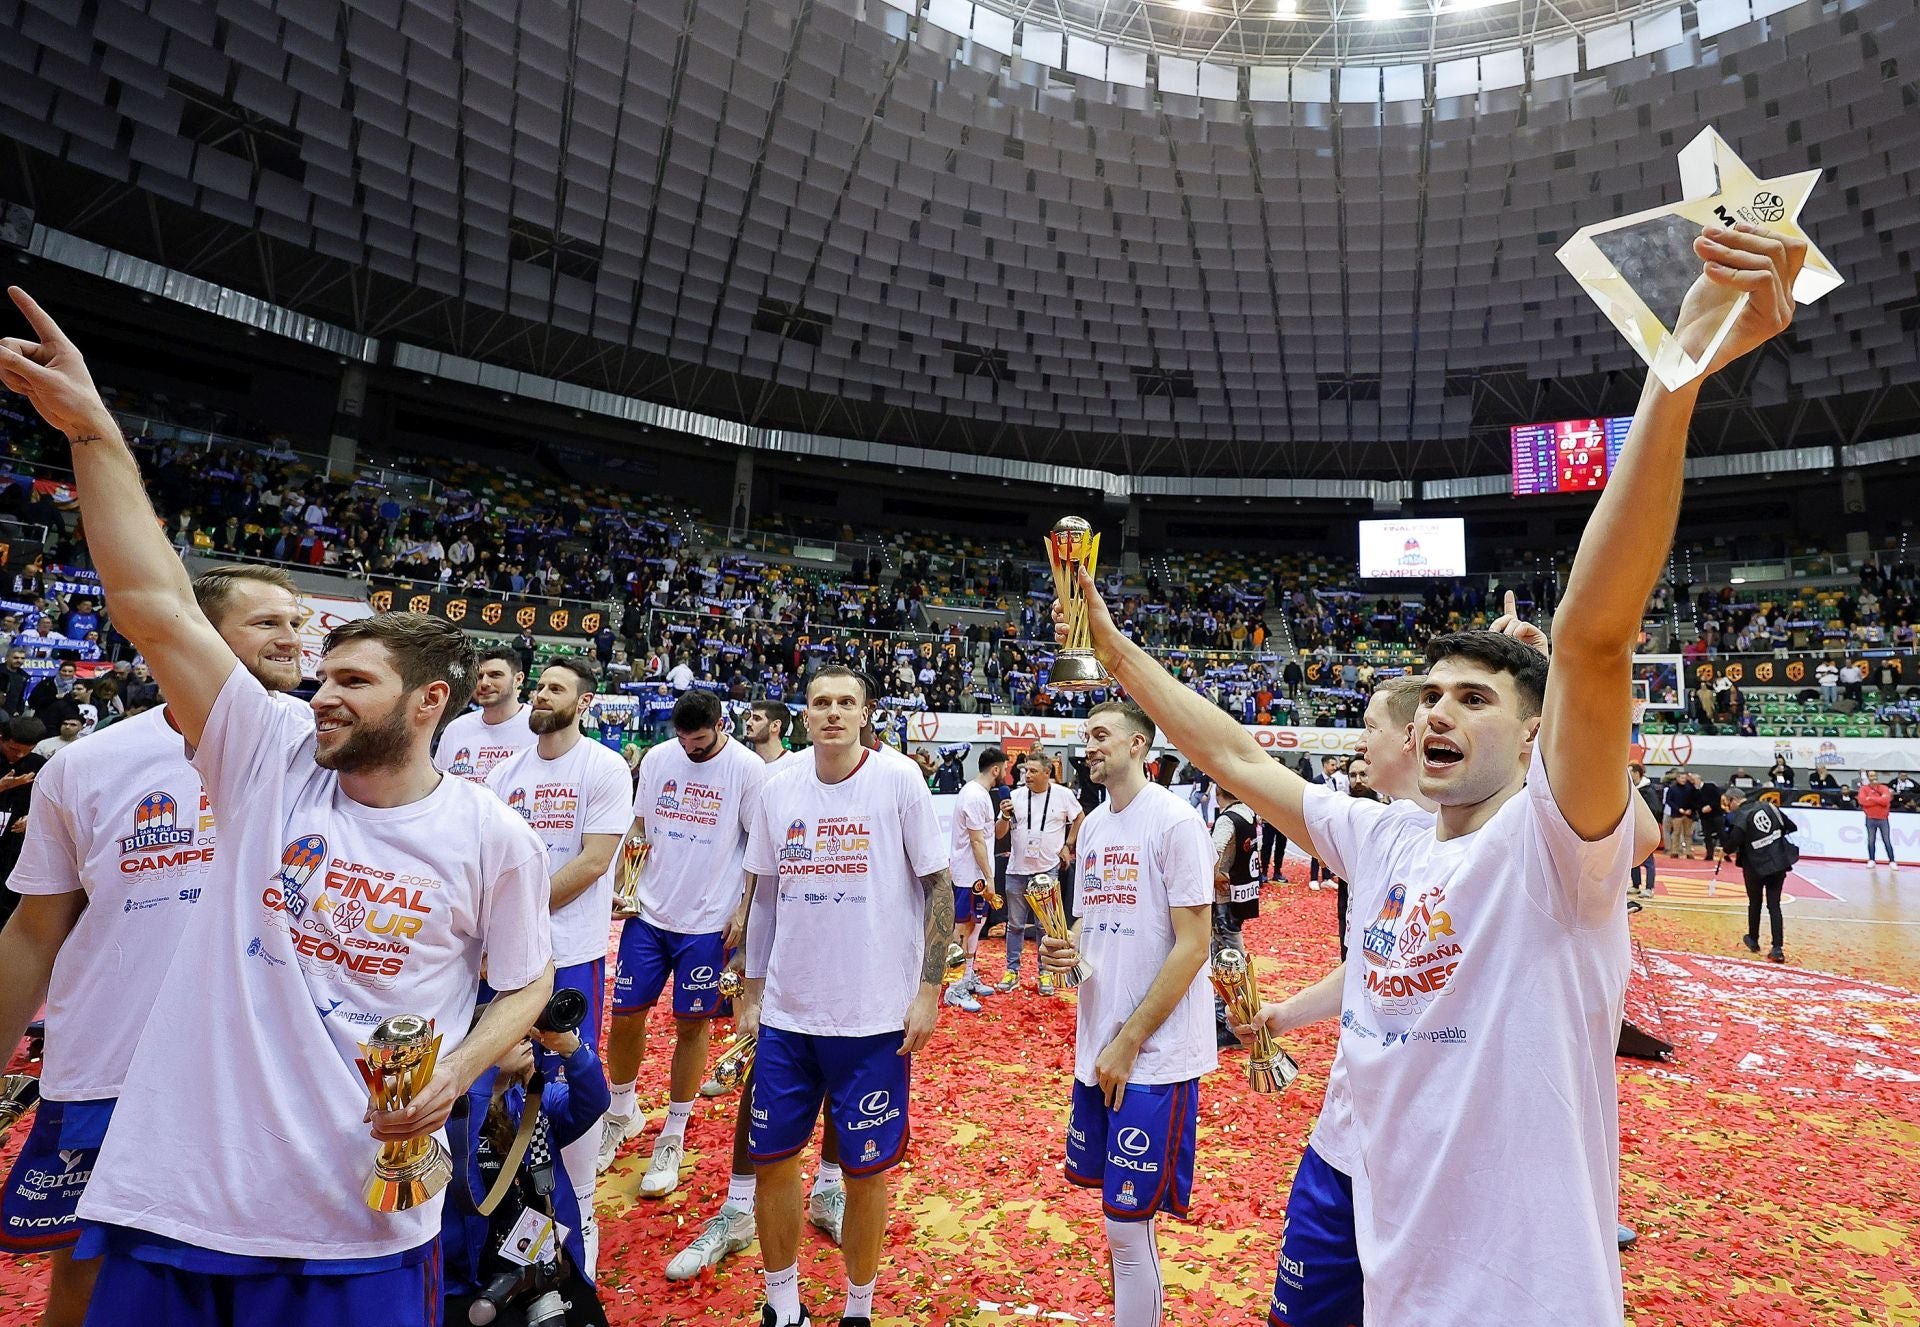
{"x":693,"y":803}
{"x":1513,"y":898}
{"x":480,"y":739}
{"x":353,"y":882}
{"x":846,"y":947}
{"x":116,"y":855}
{"x":972,"y":867}
{"x":1044,"y":821}
{"x":1144,"y":1034}
{"x":576,"y":795}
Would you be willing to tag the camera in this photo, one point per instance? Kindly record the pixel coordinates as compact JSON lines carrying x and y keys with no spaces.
{"x":564,"y":1012}
{"x":536,"y":1289}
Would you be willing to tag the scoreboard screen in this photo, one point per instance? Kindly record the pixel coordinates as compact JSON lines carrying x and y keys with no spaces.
{"x":1567,"y":456}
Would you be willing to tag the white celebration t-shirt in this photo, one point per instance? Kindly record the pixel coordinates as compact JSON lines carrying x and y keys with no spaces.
{"x":972,"y":811}
{"x":471,"y":747}
{"x":697,"y":813}
{"x":1040,"y":824}
{"x":320,"y":918}
{"x":1333,"y":1137}
{"x":1486,"y":976}
{"x":1136,"y":866}
{"x":586,"y":791}
{"x":838,"y":926}
{"x":123,"y":817}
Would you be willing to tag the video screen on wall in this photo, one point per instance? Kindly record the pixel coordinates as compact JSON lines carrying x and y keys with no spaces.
{"x":1567,"y":455}
{"x":1413,"y":548}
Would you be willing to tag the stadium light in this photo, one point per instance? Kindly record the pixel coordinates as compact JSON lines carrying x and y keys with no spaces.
{"x":1286,"y":8}
{"x":1378,"y":9}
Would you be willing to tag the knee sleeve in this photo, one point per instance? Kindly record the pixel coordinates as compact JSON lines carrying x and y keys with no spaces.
{"x":1137,"y":1286}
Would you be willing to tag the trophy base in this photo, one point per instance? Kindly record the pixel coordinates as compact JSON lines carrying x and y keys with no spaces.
{"x":1272,"y":1075}
{"x":1077,"y":670}
{"x":1066,"y":981}
{"x":400,"y":1188}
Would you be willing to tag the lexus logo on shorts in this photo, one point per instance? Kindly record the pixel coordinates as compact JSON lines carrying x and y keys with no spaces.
{"x":1769,"y":207}
{"x":1134,"y":1142}
{"x":701,"y":974}
{"x":875,"y":1102}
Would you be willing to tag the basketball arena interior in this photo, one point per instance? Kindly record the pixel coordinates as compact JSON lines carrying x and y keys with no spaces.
{"x":715,"y":343}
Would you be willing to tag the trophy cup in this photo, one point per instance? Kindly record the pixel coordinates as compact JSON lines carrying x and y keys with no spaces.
{"x":19,"y":1093}
{"x":397,"y":1062}
{"x":633,"y":863}
{"x":1043,"y":896}
{"x":1639,"y":268}
{"x":1071,"y":544}
{"x":736,"y":1059}
{"x":1269,"y":1068}
{"x":733,"y":984}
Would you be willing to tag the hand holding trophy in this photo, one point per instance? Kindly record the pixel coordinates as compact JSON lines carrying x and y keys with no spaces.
{"x":1071,"y":545}
{"x":397,"y":1062}
{"x":1269,"y":1068}
{"x":1043,"y":896}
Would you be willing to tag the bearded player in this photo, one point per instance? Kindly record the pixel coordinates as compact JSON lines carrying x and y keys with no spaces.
{"x":576,"y":795}
{"x":501,"y":727}
{"x":1144,"y":1033}
{"x":1491,"y":1114}
{"x":846,"y":948}
{"x":115,"y":860}
{"x":353,"y":882}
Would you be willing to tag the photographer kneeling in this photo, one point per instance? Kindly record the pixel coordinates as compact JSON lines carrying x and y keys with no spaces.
{"x":503,"y":1263}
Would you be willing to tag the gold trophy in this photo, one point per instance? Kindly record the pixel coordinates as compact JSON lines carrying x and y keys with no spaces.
{"x":733,"y":984}
{"x":736,"y":1059}
{"x":1269,"y":1067}
{"x":633,"y":863}
{"x":19,"y":1093}
{"x":1072,"y":544}
{"x":397,"y":1062}
{"x":1043,"y":896}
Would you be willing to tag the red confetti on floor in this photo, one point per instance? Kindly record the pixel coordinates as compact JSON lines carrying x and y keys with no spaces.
{"x":1769,"y":1167}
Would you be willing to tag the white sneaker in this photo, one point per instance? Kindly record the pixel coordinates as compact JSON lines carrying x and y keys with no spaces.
{"x":615,"y":1130}
{"x":1314,"y":885}
{"x":713,"y":1087}
{"x":827,"y":1209}
{"x":957,"y":998}
{"x":663,"y":1168}
{"x":978,"y":988}
{"x":728,"y":1232}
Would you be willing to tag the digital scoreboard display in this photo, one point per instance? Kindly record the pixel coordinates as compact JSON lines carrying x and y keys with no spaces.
{"x":1568,"y":455}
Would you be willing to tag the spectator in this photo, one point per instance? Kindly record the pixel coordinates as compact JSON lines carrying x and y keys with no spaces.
{"x":1876,"y":800}
{"x":1781,"y":775}
{"x":68,"y":734}
{"x":523,"y":645}
{"x":1827,"y":674}
{"x":141,"y":689}
{"x":80,"y":621}
{"x":1650,"y":793}
{"x":54,"y":687}
{"x":1825,"y":784}
{"x":15,"y":683}
{"x":1681,"y":802}
{"x":1742,"y":780}
{"x":1853,"y":685}
{"x":20,"y":762}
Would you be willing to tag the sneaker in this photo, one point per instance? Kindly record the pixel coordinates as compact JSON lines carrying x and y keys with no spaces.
{"x":1046,"y":983}
{"x":1626,"y":1234}
{"x":846,"y":1321}
{"x":615,"y":1130}
{"x":1314,"y":885}
{"x":1008,"y":983}
{"x":713,"y":1087}
{"x":976,"y":987}
{"x":1753,"y":945}
{"x":726,"y":1233}
{"x":957,"y":998}
{"x":827,"y":1209}
{"x":1776,"y":956}
{"x":768,"y":1319}
{"x":663,"y":1168}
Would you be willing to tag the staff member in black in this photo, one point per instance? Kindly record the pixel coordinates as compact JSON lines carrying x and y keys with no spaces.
{"x":1756,"y":838}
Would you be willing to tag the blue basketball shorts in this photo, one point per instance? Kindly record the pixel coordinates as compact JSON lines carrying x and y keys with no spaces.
{"x":1318,"y":1282}
{"x":968,"y":906}
{"x":650,"y":954}
{"x":38,"y":1207}
{"x":136,"y":1290}
{"x":864,"y":1081}
{"x":1140,"y":1156}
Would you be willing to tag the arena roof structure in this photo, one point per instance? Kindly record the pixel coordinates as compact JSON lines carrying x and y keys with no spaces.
{"x":1193,"y":239}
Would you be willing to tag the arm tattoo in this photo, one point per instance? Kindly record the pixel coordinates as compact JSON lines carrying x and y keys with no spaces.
{"x":933,"y":960}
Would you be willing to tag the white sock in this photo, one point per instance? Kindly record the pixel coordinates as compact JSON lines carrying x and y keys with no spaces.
{"x":859,"y":1300}
{"x":1136,"y":1273}
{"x":828,"y":1176}
{"x":581,"y":1160}
{"x":740,"y":1192}
{"x":622,"y":1104}
{"x":678,"y":1113}
{"x":589,"y":1224}
{"x":783,"y":1293}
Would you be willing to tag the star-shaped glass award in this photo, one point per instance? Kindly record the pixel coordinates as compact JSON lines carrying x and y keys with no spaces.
{"x":1638,"y":269}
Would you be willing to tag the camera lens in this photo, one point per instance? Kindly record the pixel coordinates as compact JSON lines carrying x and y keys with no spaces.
{"x":564,"y":1012}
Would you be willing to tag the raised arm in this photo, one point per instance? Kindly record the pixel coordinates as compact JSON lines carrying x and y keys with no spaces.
{"x":1588,"y":714}
{"x":1200,"y":731}
{"x":146,"y":584}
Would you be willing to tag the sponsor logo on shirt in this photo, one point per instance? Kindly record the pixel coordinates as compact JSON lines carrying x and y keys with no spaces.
{"x":669,"y":798}
{"x":796,"y":849}
{"x":1126,"y":1196}
{"x":156,"y":824}
{"x":1433,"y":1036}
{"x":517,"y":801}
{"x":159,"y":842}
{"x":256,"y":948}
{"x":1131,"y":1144}
{"x":462,"y":763}
{"x":876,"y":1109}
{"x":1411,"y":953}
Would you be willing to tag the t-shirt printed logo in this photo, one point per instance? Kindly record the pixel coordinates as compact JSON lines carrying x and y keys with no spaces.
{"x":669,"y":798}
{"x":156,"y":824}
{"x":1411,"y":952}
{"x":698,"y":803}
{"x":555,"y":806}
{"x":298,"y":861}
{"x":462,"y":763}
{"x":1111,"y":877}
{"x":796,"y":849}
{"x":517,"y":802}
